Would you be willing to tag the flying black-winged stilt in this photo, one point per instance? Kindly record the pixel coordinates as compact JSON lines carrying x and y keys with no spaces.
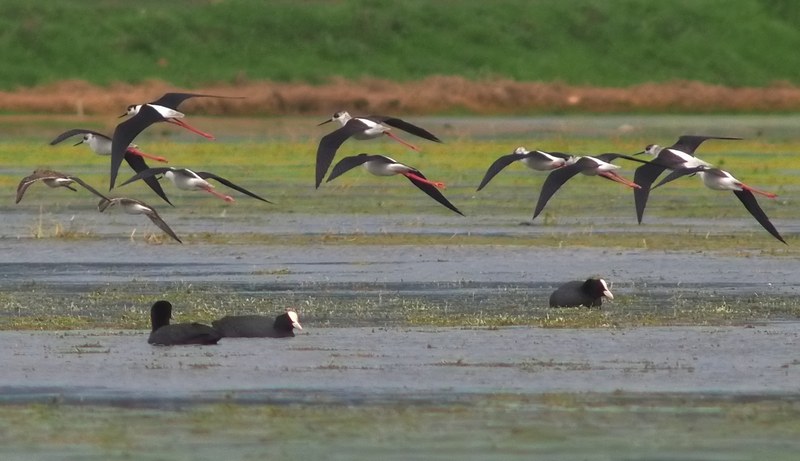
{"x":100,"y":144}
{"x":717,"y":179}
{"x":186,"y":179}
{"x":368,"y":127}
{"x":163,"y":109}
{"x":380,"y":165}
{"x":534,"y":159}
{"x":597,"y":165}
{"x":679,"y":155}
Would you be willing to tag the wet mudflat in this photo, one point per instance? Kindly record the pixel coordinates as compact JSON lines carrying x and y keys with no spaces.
{"x":376,"y":364}
{"x":407,"y":393}
{"x":395,"y":387}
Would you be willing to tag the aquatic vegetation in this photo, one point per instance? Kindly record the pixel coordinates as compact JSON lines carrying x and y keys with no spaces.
{"x":30,"y":309}
{"x":468,"y":427}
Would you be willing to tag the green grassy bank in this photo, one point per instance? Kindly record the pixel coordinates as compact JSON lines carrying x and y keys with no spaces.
{"x":593,"y":42}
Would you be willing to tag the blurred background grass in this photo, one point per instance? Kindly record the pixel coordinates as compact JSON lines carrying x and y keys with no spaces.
{"x":591,"y":42}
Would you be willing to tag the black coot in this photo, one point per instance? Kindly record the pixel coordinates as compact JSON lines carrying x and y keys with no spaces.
{"x":258,"y":326}
{"x":164,"y":334}
{"x":588,"y":293}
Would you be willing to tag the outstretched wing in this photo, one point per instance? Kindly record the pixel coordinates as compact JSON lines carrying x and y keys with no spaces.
{"x":554,"y":181}
{"x":610,"y":157}
{"x":149,"y":172}
{"x":138,"y":164}
{"x":689,"y":143}
{"x":25,"y":183}
{"x":75,"y":131}
{"x":88,"y":187}
{"x":173,"y":100}
{"x":751,"y":204}
{"x":207,"y":175}
{"x":348,"y":163}
{"x":330,"y":143}
{"x":431,"y":190}
{"x":125,"y":133}
{"x":405,"y":126}
{"x":679,"y":173}
{"x":153,"y":215}
{"x":644,"y":176}
{"x":498,"y":166}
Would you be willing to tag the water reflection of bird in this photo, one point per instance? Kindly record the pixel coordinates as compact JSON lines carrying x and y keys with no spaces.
{"x":717,"y":179}
{"x":258,"y":326}
{"x":165,"y":334}
{"x":52,"y":179}
{"x":534,"y":159}
{"x":368,"y":127}
{"x":100,"y":144}
{"x":380,"y":165}
{"x":587,"y":293}
{"x":679,"y":155}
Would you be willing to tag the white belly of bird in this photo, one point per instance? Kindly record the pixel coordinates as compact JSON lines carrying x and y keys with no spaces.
{"x":57,"y":182}
{"x":185,"y":182}
{"x":720,"y":182}
{"x":373,"y":130}
{"x":166,"y":112}
{"x":135,"y":208}
{"x":688,"y":160}
{"x":385,"y":169}
{"x":543,"y":163}
{"x":100,"y":146}
{"x":602,"y":167}
{"x":695,"y":162}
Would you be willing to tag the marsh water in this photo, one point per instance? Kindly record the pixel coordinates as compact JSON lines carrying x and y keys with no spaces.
{"x":375,"y":373}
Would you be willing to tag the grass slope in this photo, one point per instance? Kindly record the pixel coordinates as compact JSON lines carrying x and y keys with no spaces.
{"x":593,"y":42}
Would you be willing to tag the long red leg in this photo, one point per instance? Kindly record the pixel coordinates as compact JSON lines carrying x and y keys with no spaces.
{"x":615,"y":177}
{"x":438,"y":185}
{"x":227,"y":198}
{"x":190,"y":128}
{"x":410,"y":146}
{"x":136,"y":151}
{"x":765,"y":194}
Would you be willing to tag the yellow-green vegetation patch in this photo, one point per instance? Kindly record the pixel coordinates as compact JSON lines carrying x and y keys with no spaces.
{"x":283,"y":171}
{"x":34,"y":308}
{"x":469,"y":427}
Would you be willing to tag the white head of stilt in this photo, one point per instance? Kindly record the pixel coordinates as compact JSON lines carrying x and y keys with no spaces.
{"x":98,"y":144}
{"x":652,"y":149}
{"x":133,"y":109}
{"x":342,"y":117}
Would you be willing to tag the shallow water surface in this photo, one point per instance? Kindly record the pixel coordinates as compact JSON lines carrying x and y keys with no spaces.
{"x":407,"y":393}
